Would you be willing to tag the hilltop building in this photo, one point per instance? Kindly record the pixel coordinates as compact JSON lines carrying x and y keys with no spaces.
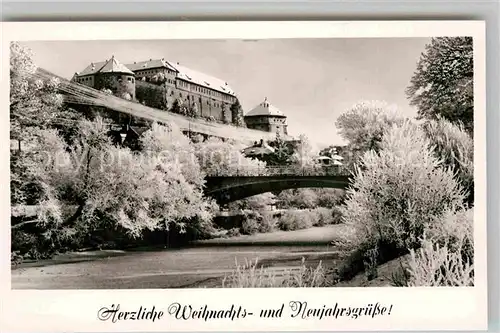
{"x":159,"y":83}
{"x":209,"y":96}
{"x":266,"y":117}
{"x":109,"y":74}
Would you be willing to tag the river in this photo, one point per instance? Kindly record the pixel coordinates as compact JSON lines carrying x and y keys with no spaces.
{"x":204,"y":264}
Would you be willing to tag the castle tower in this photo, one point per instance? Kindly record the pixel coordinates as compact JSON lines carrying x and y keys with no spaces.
{"x":266,"y":117}
{"x":117,"y":77}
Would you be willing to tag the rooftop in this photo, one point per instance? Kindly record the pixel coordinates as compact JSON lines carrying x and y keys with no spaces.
{"x":183,"y":73}
{"x":202,"y":79}
{"x":109,"y":66}
{"x":114,"y":66}
{"x":93,"y":68}
{"x":186,"y":74}
{"x":151,"y":63}
{"x":265,"y":109}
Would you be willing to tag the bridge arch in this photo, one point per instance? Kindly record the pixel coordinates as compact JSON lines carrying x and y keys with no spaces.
{"x":227,"y":189}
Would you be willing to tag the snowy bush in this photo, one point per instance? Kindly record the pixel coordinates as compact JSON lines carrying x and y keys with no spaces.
{"x":446,"y":257}
{"x":402,"y":190}
{"x":455,"y":147}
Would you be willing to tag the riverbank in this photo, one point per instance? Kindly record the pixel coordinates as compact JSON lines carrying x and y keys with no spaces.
{"x":202,"y":264}
{"x":175,"y":268}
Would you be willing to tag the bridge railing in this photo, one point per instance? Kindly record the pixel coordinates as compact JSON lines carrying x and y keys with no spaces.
{"x":282,"y":171}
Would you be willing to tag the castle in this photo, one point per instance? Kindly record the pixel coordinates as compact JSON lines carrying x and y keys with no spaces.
{"x":159,"y":83}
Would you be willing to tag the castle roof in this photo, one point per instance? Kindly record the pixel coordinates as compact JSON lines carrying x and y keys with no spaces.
{"x":183,"y":73}
{"x":151,"y":63}
{"x":109,"y":66}
{"x":186,"y":74}
{"x":202,"y":79}
{"x":114,"y":66}
{"x":265,"y":109}
{"x":93,"y":68}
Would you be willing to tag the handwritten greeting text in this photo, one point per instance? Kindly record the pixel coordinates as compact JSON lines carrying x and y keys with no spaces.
{"x":293,"y":309}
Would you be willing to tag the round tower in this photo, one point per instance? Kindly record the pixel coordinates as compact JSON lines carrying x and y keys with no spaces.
{"x":116,"y":77}
{"x":268,"y":118}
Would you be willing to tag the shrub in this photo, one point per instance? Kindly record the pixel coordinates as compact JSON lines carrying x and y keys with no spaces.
{"x":397,"y":193}
{"x":302,"y":198}
{"x":22,"y":241}
{"x":295,"y":220}
{"x":233,"y":232}
{"x":251,"y":275}
{"x":327,"y":216}
{"x":16,"y":258}
{"x":324,"y":216}
{"x":455,"y":147}
{"x":336,"y":215}
{"x":364,"y":256}
{"x":401,"y":190}
{"x":267,"y":223}
{"x":446,"y":257}
{"x":329,"y":197}
{"x":250,"y":224}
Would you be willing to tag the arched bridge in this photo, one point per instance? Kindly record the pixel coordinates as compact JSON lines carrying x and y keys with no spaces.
{"x":232,"y":186}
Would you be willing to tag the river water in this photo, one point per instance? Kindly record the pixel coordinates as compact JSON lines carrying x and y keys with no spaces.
{"x":202,"y":265}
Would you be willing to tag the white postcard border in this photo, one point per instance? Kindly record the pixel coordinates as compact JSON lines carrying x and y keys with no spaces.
{"x":413,"y":308}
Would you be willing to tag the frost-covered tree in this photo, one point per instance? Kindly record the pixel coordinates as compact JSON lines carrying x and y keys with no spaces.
{"x":194,"y":111}
{"x":455,"y":147}
{"x":305,"y":154}
{"x":225,"y":158}
{"x":34,"y":102}
{"x":363,"y":127}
{"x":442,"y":84}
{"x":402,"y":189}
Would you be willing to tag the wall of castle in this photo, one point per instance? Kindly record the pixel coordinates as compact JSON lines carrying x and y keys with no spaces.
{"x":149,"y":73}
{"x":278,"y":124}
{"x":87,"y":80}
{"x":118,"y":83}
{"x":268,"y":124}
{"x":259,"y":127}
{"x":163,"y":97}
